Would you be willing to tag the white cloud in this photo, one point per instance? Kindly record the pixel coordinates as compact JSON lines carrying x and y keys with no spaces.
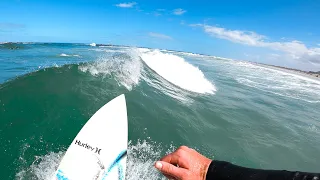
{"x":179,"y":11}
{"x":295,"y":49}
{"x":160,"y":36}
{"x":313,"y":55}
{"x":242,"y":37}
{"x":126,"y":5}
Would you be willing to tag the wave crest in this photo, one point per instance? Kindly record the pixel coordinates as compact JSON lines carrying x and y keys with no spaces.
{"x":166,"y":72}
{"x":177,"y":71}
{"x":125,"y":69}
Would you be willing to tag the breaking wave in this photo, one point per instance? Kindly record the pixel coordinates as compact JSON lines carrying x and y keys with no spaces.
{"x":177,"y":71}
{"x":125,"y":69}
{"x":170,"y":73}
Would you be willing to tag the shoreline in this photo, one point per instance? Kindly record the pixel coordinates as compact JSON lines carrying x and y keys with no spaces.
{"x":311,"y":74}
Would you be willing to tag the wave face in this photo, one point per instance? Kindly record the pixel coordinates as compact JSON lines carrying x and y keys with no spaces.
{"x":235,"y":111}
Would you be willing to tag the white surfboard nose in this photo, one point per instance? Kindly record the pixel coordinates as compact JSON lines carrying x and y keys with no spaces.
{"x":99,"y":146}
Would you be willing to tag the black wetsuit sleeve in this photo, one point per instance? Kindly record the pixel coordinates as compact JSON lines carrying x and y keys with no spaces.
{"x":220,"y":170}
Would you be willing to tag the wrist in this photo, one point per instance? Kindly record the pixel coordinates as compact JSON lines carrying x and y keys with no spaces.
{"x":206,"y":168}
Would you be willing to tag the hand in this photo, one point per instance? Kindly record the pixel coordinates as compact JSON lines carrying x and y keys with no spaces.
{"x":184,"y":164}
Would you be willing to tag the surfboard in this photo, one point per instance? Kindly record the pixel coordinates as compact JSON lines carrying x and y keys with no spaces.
{"x":99,"y":150}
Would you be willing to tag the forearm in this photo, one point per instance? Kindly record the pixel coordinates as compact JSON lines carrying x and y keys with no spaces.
{"x":220,"y":170}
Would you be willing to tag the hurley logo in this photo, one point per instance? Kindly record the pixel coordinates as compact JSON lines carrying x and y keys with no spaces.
{"x":87,"y":146}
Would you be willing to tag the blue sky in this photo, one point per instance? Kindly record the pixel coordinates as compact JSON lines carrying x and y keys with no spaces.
{"x":283,"y":32}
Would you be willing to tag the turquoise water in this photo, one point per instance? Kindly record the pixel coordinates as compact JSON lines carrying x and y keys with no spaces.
{"x":230,"y":110}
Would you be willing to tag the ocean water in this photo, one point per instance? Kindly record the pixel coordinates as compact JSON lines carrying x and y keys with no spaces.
{"x":229,"y":110}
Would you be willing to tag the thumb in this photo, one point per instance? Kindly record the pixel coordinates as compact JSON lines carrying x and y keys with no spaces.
{"x":170,"y":170}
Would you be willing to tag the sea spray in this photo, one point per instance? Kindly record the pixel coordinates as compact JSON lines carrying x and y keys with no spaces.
{"x":141,"y":157}
{"x":125,"y":69}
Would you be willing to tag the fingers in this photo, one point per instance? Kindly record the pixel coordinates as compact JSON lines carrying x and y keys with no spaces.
{"x":170,"y":170}
{"x":175,"y":159}
{"x":184,"y":148}
{"x":179,"y":157}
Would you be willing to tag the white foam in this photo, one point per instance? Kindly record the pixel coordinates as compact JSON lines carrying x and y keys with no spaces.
{"x":140,"y":161}
{"x":190,"y":54}
{"x":115,"y":51}
{"x":42,"y":168}
{"x":109,"y":50}
{"x":64,"y":55}
{"x":275,"y":81}
{"x":28,"y":43}
{"x":144,"y":50}
{"x":177,"y":71}
{"x":68,"y":55}
{"x":93,"y":44}
{"x":126,"y":70}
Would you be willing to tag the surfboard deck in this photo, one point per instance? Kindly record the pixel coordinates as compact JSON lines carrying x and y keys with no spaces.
{"x":99,"y":150}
